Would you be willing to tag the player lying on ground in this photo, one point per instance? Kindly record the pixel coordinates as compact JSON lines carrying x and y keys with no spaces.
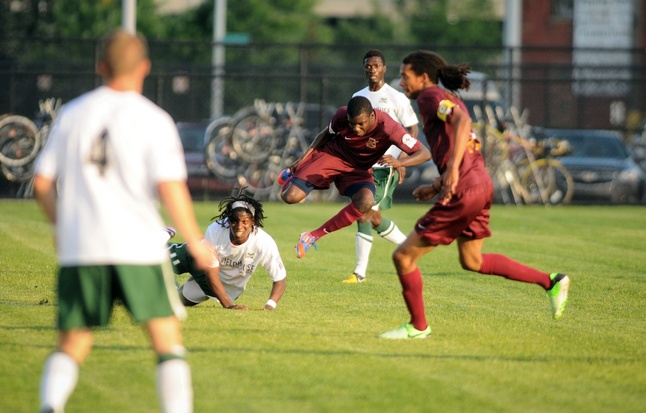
{"x":241,"y":245}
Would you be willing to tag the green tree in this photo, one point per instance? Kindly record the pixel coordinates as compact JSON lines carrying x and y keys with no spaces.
{"x":444,"y":26}
{"x":263,"y":20}
{"x":92,"y":19}
{"x":73,"y":18}
{"x":451,"y":23}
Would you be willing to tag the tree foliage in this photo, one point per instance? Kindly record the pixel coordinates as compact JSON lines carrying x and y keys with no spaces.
{"x":451,"y":23}
{"x":262,"y":20}
{"x":433,"y":22}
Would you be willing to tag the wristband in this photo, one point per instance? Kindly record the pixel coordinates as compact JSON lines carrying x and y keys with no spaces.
{"x":271,"y":303}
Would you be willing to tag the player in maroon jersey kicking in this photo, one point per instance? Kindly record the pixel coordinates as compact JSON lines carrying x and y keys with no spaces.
{"x":357,"y":137}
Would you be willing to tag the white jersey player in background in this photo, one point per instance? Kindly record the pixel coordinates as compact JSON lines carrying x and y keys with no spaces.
{"x":384,"y":97}
{"x":242,"y":245}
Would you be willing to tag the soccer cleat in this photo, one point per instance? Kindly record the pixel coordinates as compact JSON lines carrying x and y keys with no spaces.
{"x":306,"y":241}
{"x":558,"y":293}
{"x":170,"y":231}
{"x":354,"y":279}
{"x":284,"y":176}
{"x":406,"y":331}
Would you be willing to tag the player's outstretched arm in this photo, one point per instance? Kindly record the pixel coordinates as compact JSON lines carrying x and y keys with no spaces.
{"x":213,"y":278}
{"x":45,"y":194}
{"x":176,"y":197}
{"x":277,"y":291}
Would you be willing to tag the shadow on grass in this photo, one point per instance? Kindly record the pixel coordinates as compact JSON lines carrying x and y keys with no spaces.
{"x":551,"y":359}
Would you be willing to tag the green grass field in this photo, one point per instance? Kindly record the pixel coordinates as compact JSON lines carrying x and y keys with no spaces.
{"x":494,"y":346}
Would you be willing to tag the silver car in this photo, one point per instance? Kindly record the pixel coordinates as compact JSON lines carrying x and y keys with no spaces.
{"x":601,"y":167}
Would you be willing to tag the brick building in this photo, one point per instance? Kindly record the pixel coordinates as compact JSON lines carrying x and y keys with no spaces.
{"x":582,"y":62}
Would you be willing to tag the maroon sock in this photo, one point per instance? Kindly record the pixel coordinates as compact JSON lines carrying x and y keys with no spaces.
{"x":413,"y":295}
{"x":342,"y":219}
{"x":497,"y":264}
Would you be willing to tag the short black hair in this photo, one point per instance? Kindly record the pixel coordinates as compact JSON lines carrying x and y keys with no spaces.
{"x":374,"y":53}
{"x":359,"y":105}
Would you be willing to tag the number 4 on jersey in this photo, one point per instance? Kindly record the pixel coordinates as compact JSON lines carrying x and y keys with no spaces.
{"x":99,"y":152}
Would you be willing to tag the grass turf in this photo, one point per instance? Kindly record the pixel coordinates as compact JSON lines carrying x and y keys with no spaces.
{"x":494,"y":346}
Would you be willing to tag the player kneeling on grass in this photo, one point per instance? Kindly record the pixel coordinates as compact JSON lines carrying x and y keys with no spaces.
{"x":241,"y":245}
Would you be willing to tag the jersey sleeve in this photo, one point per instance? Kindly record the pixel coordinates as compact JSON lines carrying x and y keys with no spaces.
{"x":212,"y":240}
{"x":400,"y":137}
{"x":405,"y":111}
{"x":445,"y":109}
{"x":167,"y":155}
{"x":46,"y":164}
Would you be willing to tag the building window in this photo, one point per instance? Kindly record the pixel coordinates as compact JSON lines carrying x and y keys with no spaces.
{"x":562,"y":8}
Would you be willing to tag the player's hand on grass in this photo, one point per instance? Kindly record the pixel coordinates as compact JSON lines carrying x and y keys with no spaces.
{"x":238,"y":307}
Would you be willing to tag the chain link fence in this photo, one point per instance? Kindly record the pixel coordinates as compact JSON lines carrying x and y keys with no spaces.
{"x":547,"y":84}
{"x":544,"y":81}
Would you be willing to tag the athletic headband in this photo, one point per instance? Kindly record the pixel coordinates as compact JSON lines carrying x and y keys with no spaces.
{"x":245,"y":205}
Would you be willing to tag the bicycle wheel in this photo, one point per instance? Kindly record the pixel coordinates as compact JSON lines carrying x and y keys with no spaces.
{"x":494,"y":150}
{"x":547,"y":181}
{"x":254,"y":137}
{"x":260,"y":178}
{"x":22,"y":173}
{"x":219,"y":155}
{"x":19,"y":140}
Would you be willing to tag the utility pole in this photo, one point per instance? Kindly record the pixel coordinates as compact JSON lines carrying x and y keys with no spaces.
{"x":129,"y":16}
{"x":513,"y":43}
{"x":219,"y":33}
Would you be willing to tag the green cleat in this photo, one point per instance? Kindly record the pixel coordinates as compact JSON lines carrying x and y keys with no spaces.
{"x":558,"y":293}
{"x":406,"y":331}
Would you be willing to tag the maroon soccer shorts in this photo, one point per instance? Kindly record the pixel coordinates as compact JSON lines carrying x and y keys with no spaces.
{"x":321,"y":169}
{"x":466,"y":214}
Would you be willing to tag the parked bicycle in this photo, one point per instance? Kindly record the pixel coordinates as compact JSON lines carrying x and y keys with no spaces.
{"x":526,"y":168}
{"x":21,"y":140}
{"x":252,"y":147}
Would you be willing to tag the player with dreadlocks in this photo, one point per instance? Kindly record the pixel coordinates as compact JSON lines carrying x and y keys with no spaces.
{"x":240,"y":245}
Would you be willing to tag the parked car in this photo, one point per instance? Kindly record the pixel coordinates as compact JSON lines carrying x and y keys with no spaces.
{"x":601,"y":167}
{"x":201,"y":182}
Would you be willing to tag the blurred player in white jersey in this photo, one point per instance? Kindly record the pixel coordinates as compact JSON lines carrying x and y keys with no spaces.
{"x":111,"y":156}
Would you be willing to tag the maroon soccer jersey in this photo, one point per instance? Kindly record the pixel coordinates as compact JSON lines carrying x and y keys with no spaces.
{"x":364,"y":151}
{"x":436,"y":118}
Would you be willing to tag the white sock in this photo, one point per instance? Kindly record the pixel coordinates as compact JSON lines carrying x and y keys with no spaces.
{"x":174,"y":386}
{"x":393,"y":234}
{"x":58,"y":381}
{"x":364,"y":245}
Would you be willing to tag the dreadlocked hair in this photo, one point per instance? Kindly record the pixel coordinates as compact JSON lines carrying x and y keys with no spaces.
{"x":227,"y":210}
{"x":453,"y":77}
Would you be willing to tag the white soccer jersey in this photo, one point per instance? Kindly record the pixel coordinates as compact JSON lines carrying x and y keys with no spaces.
{"x":108,"y":150}
{"x":238,"y":262}
{"x":394,"y":103}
